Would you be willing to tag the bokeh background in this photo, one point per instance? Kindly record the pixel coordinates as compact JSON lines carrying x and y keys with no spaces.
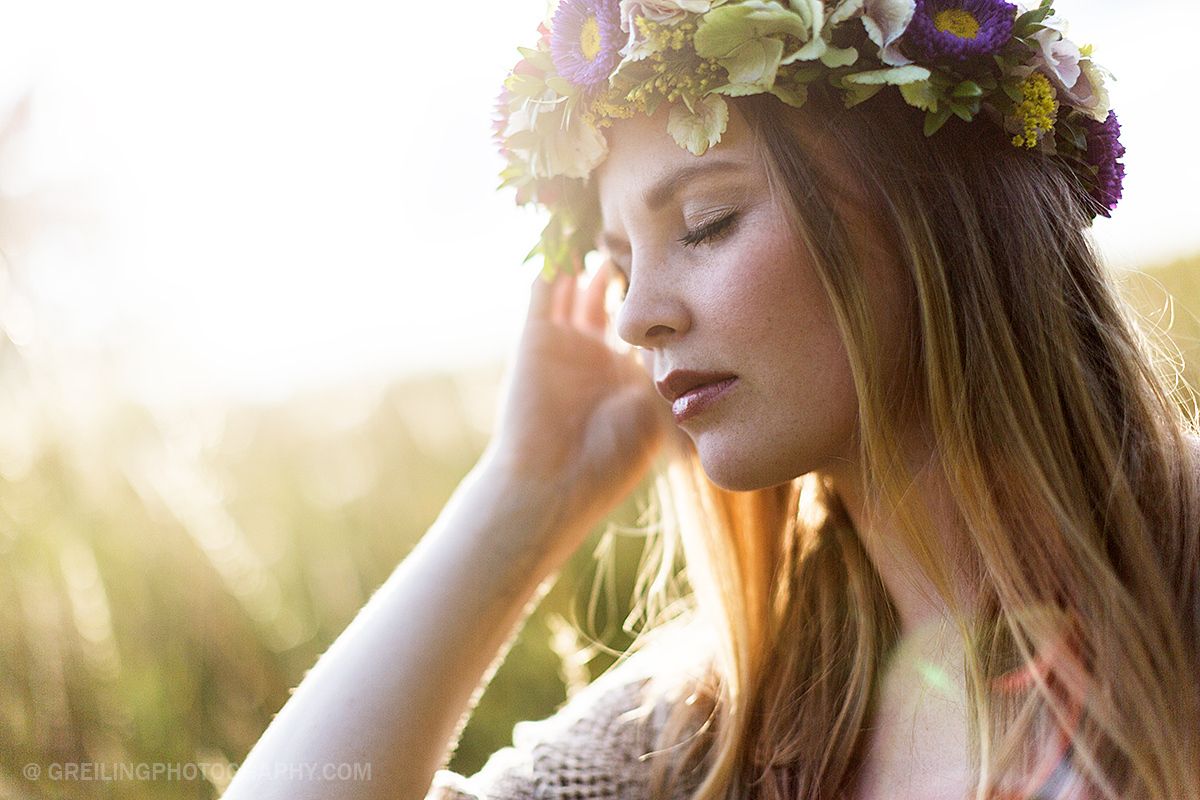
{"x":256,"y":294}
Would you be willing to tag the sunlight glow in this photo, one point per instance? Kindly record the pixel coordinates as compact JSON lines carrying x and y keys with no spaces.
{"x":264,"y":196}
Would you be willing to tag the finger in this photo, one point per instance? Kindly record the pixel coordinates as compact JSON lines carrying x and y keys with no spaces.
{"x":541,"y":296}
{"x":563,"y":300}
{"x":590,"y":314}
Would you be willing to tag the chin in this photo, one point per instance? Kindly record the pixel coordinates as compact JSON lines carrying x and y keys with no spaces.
{"x":744,"y":474}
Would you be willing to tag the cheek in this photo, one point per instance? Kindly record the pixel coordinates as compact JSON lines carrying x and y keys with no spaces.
{"x":778,"y":291}
{"x":646,"y":356}
{"x":799,"y":409}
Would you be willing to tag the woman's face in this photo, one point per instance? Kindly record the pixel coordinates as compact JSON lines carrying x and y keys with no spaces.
{"x":728,"y":304}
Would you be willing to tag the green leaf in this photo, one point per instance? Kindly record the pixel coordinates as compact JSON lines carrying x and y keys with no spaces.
{"x":835,"y":57}
{"x":537,"y":248}
{"x":961,"y":111}
{"x":894,"y":75}
{"x":697,"y":131}
{"x":859,"y":92}
{"x":1006,"y":107}
{"x":941,"y":80}
{"x":560,"y":86}
{"x":537,"y":59}
{"x":1072,"y":134}
{"x":920,"y":94}
{"x":739,"y":89}
{"x":936,"y":119}
{"x":1034,"y":17}
{"x":968,"y":89}
{"x":513,"y":175}
{"x":524,"y":84}
{"x":725,"y":29}
{"x":792,"y":94}
{"x":808,"y":73}
{"x":815,"y":47}
{"x":755,"y":63}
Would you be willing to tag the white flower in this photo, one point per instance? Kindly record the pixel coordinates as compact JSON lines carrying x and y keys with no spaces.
{"x":843,"y":10}
{"x":552,"y":145}
{"x":661,"y":10}
{"x":1096,"y":104}
{"x":1079,"y":81}
{"x":1059,"y":54}
{"x":886,"y":21}
{"x":573,"y":153}
{"x":664,"y":12}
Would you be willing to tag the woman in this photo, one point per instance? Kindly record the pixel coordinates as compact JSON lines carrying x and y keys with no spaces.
{"x":941,"y":516}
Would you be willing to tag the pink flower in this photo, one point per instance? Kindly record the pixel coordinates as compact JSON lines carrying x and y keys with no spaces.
{"x":1079,"y":81}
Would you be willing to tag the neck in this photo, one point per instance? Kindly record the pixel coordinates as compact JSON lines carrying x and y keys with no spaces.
{"x":921,"y":595}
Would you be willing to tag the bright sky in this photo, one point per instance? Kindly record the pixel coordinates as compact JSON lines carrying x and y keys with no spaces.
{"x":292,"y":194}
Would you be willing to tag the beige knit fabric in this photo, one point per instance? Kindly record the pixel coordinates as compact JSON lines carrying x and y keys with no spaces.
{"x":598,"y":747}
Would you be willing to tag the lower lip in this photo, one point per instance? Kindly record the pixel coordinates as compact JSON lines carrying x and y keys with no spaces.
{"x":698,"y":400}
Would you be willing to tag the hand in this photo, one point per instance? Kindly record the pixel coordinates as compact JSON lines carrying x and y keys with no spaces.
{"x":580,"y":419}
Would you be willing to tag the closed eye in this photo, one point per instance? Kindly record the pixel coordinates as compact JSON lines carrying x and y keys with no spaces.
{"x":709,"y":231}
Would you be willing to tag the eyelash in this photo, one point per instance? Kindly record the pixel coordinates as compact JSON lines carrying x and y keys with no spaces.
{"x":709,"y":231}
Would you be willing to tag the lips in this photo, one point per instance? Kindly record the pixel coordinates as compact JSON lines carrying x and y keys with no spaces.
{"x":691,"y":392}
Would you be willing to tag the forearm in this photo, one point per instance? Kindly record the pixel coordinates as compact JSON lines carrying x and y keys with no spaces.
{"x":392,"y":689}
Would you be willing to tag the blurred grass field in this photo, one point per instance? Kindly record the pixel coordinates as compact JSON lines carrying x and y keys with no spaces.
{"x":167,"y":572}
{"x":163,"y":582}
{"x":164,"y":578}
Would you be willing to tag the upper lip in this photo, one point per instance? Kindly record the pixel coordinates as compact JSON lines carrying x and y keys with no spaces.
{"x":679,"y":382}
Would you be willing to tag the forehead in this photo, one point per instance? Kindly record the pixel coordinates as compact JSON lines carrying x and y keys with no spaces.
{"x":645,"y":166}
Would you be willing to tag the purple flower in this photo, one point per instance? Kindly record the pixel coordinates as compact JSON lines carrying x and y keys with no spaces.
{"x":957,"y":30}
{"x":585,"y":36}
{"x":1104,"y":150}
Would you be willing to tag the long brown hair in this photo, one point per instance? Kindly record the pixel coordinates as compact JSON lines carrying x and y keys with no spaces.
{"x":1069,"y":461}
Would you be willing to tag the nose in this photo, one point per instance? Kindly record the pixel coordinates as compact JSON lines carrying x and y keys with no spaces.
{"x":653,"y":311}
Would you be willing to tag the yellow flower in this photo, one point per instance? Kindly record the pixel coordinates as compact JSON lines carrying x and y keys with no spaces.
{"x":1036,"y":111}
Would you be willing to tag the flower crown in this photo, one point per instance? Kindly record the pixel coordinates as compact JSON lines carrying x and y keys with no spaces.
{"x":601,"y":60}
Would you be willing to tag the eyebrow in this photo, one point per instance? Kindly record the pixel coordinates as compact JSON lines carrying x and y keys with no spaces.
{"x":661,"y":193}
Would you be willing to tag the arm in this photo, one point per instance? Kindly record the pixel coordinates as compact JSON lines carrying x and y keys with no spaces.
{"x":580,"y":427}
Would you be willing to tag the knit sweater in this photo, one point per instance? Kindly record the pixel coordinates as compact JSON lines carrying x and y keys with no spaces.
{"x":598,"y":747}
{"x":601,"y":746}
